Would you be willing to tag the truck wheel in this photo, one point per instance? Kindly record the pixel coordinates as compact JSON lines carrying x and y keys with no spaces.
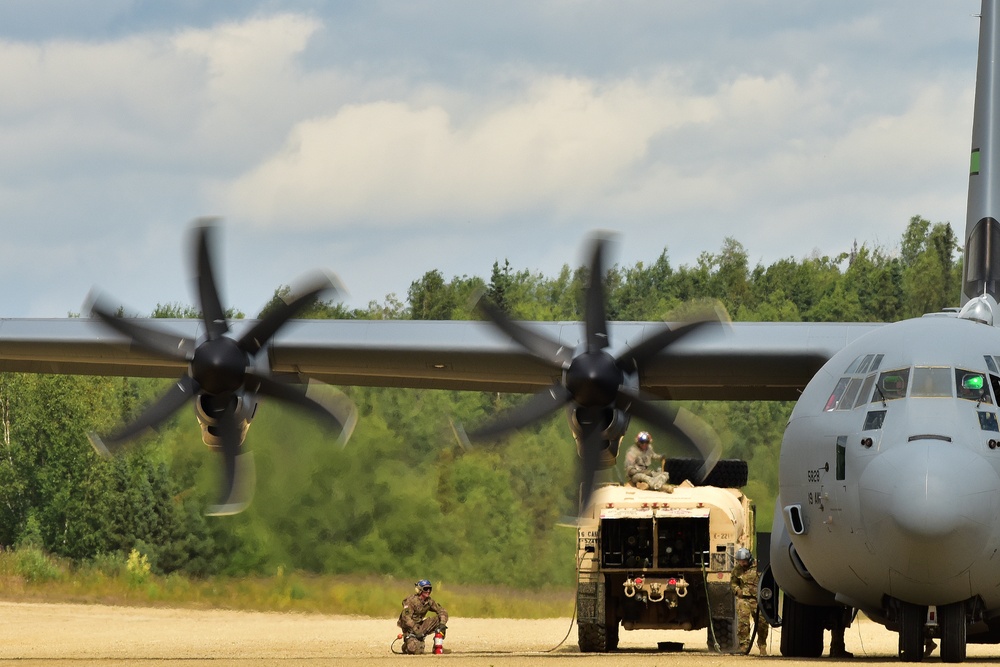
{"x":611,"y":632}
{"x":727,"y":473}
{"x":724,"y":635}
{"x":592,"y":637}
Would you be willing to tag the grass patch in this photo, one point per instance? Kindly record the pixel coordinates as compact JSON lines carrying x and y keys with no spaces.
{"x":28,"y":574}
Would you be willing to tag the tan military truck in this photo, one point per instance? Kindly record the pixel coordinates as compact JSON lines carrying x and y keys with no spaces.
{"x":656,"y":560}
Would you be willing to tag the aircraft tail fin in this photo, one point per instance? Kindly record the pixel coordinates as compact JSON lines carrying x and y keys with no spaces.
{"x":981,"y":269}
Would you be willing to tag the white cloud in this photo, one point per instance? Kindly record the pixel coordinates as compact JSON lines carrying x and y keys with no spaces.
{"x":361,"y":122}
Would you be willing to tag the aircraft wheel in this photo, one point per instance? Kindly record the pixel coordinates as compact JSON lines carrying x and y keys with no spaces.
{"x":801,"y":629}
{"x":953,"y":632}
{"x":911,"y":631}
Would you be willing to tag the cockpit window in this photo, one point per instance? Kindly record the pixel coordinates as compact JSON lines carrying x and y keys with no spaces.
{"x":853,"y":368}
{"x":867,"y":363}
{"x":972,"y":386}
{"x":866,"y":391}
{"x":931,"y":382}
{"x":850,"y":394}
{"x":891,"y":385}
{"x":876,"y":362}
{"x":990,"y":364}
{"x":838,"y":392}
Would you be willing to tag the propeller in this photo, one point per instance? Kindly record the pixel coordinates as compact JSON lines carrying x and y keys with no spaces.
{"x":225,"y":373}
{"x":600,"y":390}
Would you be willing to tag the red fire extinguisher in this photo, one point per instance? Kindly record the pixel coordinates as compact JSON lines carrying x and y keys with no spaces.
{"x":438,"y":643}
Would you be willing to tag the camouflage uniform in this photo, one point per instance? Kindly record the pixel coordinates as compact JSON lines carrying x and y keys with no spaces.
{"x":637,"y":467}
{"x":413,"y":624}
{"x":744,"y":584}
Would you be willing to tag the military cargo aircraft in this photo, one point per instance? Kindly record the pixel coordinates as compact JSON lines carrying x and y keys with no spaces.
{"x":889,"y":498}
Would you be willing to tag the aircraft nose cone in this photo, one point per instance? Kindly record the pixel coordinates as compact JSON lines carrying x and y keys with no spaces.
{"x":928,"y":507}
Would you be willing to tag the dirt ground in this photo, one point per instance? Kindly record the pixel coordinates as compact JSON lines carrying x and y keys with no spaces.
{"x":82,"y":635}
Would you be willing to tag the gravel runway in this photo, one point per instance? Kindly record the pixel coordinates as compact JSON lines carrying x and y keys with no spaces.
{"x":83,"y":635}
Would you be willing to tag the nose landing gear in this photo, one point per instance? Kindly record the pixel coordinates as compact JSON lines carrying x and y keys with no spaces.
{"x":917,"y":627}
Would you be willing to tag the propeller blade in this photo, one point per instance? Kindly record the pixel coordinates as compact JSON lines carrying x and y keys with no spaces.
{"x":253,"y":340}
{"x":550,"y":351}
{"x":332,"y":416}
{"x":162,"y":344}
{"x":592,"y":447}
{"x":538,"y":406}
{"x":596,"y":315}
{"x":705,"y":438}
{"x":212,"y":312}
{"x":183,"y":390}
{"x":689,"y":430}
{"x":660,"y":340}
{"x":238,"y":472}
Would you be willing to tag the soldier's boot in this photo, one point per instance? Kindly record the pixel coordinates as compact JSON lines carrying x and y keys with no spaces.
{"x":413,"y":645}
{"x":763,"y":649}
{"x":929,"y":647}
{"x":837,"y":649}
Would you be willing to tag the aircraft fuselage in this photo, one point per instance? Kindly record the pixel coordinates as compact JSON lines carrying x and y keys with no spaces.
{"x":890,"y":468}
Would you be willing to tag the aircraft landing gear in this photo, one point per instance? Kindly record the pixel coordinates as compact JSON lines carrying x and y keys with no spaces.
{"x":911,"y":631}
{"x":953,"y":623}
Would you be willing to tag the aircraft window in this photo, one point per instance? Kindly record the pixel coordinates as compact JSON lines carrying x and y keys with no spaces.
{"x":972,"y":386}
{"x":990,"y":364}
{"x":863,"y":368}
{"x":866,"y":391}
{"x":988,"y":421}
{"x":853,"y":368}
{"x":891,"y":385}
{"x":850,"y":394}
{"x":931,"y":382}
{"x":876,"y":362}
{"x":838,"y":391}
{"x":874,"y":420}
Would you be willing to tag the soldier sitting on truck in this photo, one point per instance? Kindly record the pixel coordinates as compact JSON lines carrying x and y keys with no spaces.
{"x":638,"y":462}
{"x":744,"y":584}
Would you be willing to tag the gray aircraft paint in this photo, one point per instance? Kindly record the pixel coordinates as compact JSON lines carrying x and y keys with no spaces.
{"x":982,"y":231}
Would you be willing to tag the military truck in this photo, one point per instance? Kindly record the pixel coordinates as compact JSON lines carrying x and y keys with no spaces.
{"x":656,"y":560}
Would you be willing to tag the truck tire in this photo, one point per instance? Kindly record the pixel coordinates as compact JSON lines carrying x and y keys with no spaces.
{"x":724,"y":635}
{"x":727,"y":473}
{"x":592,"y":637}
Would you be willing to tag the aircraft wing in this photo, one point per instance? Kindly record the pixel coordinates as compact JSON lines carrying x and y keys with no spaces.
{"x":737,"y":361}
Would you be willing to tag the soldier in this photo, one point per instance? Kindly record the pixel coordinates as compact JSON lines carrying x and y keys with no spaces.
{"x":412,"y":622}
{"x":744,"y":584}
{"x":839,"y":621}
{"x":638,"y":460}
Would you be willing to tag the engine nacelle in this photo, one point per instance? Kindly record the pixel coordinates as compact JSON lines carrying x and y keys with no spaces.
{"x":210,"y":409}
{"x":614,"y":424}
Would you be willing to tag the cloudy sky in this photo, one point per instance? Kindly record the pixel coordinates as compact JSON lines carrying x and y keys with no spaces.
{"x":382,"y":139}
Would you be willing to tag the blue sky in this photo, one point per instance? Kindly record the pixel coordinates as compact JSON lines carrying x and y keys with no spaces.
{"x":380,"y":140}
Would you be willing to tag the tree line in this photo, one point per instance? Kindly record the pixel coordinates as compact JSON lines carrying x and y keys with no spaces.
{"x":405,"y":497}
